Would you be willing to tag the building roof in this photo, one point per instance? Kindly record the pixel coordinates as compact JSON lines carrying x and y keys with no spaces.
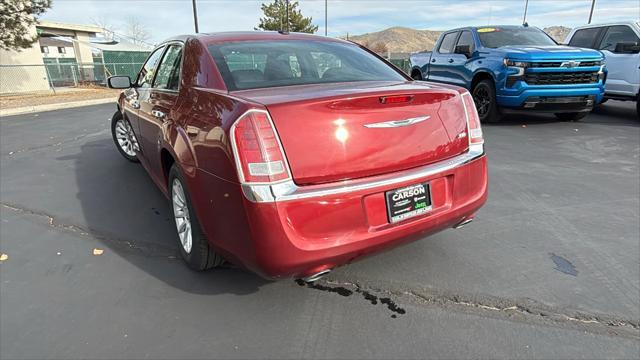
{"x":64,"y":26}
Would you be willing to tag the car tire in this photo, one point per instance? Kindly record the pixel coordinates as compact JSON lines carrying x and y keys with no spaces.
{"x":124,"y":137}
{"x":571,"y":116}
{"x":416,"y":75}
{"x":192,"y":242}
{"x":484,"y":97}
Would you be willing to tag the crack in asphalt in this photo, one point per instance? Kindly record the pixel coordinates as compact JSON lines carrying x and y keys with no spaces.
{"x":524,"y":310}
{"x":141,"y":248}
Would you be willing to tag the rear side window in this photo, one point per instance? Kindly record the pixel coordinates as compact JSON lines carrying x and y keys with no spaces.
{"x":617,"y":34}
{"x":446,"y":46}
{"x":168,"y":76}
{"x":149,"y":69}
{"x":584,"y":38}
{"x":466,"y":38}
{"x":260,"y":64}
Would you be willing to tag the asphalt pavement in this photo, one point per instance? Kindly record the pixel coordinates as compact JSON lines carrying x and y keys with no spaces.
{"x":549,"y":269}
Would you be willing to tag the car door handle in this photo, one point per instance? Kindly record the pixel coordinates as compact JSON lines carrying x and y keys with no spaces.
{"x":159,"y":114}
{"x":433,"y":60}
{"x":450,"y":61}
{"x":134,"y":104}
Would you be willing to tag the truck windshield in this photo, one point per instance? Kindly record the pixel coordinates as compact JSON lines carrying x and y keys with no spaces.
{"x":260,"y":64}
{"x":496,"y":37}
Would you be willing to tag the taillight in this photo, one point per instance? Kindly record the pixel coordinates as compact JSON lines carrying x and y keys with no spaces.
{"x":473,"y":120}
{"x":259,"y":155}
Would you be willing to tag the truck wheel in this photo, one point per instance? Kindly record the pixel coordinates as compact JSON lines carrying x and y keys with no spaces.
{"x":484,"y":96}
{"x":572,"y":116}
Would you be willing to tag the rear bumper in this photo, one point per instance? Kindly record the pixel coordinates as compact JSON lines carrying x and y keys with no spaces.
{"x":297,"y":232}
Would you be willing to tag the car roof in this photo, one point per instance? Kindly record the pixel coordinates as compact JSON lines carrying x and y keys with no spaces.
{"x":229,"y":36}
{"x":628,"y":22}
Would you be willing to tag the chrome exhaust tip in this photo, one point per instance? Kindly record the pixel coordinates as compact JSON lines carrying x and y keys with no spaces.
{"x":317,"y":276}
{"x":463,"y":223}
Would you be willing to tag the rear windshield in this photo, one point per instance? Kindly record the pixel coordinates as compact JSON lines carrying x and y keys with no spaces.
{"x":260,"y":64}
{"x":497,"y":37}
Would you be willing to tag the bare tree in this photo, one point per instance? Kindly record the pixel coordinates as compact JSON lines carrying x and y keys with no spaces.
{"x":379,"y":47}
{"x":136,"y":31}
{"x":109,"y":30}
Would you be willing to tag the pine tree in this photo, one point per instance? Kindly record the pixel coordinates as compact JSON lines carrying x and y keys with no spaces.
{"x":16,"y":18}
{"x":275,"y":18}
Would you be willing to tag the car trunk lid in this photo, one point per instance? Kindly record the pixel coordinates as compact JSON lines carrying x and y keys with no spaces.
{"x":333,"y":132}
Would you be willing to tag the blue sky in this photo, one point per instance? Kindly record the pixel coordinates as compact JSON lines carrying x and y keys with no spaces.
{"x":164,"y":18}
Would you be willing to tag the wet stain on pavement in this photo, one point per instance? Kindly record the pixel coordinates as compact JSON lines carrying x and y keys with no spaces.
{"x":342,"y":291}
{"x":563,"y":265}
{"x":393,"y":306}
{"x":371,"y":298}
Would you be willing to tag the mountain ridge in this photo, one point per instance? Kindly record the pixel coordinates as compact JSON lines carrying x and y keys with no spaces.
{"x":400,"y":39}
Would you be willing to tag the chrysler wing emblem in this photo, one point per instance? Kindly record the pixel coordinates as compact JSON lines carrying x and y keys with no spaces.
{"x":397,"y":123}
{"x":570,"y":64}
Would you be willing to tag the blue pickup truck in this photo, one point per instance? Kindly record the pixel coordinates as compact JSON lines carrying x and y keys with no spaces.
{"x":510,"y":68}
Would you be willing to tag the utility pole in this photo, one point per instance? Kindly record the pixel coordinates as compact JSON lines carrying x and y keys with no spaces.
{"x":195,"y":15}
{"x":593,"y":4}
{"x":325,"y":18}
{"x":526,"y":5}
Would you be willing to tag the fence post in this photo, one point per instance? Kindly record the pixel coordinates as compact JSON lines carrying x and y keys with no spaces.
{"x":75,"y":77}
{"x":46,"y":69}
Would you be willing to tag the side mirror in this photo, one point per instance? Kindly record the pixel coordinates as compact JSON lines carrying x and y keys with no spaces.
{"x":119,"y":82}
{"x":627,"y":48}
{"x":463,"y":49}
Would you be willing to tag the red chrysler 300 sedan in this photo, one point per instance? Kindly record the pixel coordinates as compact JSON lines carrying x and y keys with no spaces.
{"x":292,"y":154}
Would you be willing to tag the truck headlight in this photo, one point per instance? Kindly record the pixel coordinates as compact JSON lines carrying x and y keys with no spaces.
{"x":511,"y":63}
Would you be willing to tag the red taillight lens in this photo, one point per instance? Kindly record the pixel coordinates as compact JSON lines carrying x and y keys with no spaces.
{"x":259,"y":156}
{"x":473,"y":120}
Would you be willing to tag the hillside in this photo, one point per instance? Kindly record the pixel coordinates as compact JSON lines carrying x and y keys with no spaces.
{"x":406,"y":40}
{"x":558,"y":33}
{"x":400,"y":39}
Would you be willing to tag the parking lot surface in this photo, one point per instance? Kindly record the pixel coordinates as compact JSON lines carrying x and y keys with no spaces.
{"x":549,"y":269}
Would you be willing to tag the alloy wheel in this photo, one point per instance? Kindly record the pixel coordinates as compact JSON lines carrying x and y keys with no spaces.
{"x":181,"y":215}
{"x":126,"y":138}
{"x":482,"y":99}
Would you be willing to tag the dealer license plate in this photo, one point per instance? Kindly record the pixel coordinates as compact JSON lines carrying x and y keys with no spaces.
{"x":408,"y":202}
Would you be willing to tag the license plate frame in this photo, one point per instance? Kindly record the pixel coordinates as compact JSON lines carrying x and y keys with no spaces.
{"x":408,"y":202}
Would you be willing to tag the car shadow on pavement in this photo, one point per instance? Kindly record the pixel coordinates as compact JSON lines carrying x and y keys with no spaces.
{"x":125,"y":210}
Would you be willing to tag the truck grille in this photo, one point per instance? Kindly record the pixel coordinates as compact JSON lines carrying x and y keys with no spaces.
{"x":558,"y":78}
{"x":552,"y":64}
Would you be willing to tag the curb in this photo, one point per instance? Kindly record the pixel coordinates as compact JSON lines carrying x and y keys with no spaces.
{"x":58,"y":106}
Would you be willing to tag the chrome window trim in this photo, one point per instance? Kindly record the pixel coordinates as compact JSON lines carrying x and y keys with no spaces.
{"x":287,"y":190}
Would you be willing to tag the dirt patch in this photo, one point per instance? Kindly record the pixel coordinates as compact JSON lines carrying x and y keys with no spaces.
{"x":61,"y":96}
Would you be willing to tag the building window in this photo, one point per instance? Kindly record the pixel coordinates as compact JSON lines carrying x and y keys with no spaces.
{"x":62,"y":50}
{"x":44,"y":49}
